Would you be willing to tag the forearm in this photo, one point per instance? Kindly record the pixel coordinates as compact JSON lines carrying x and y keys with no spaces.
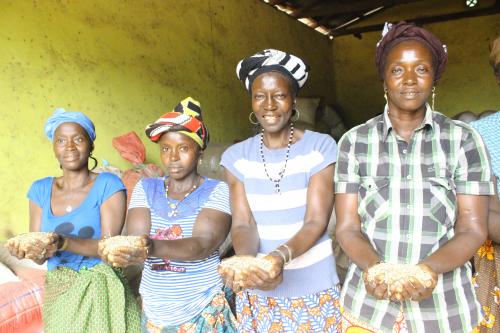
{"x":187,"y":249}
{"x":84,"y":247}
{"x":494,"y":226}
{"x":456,"y":252}
{"x":245,"y":240}
{"x":358,"y":248}
{"x":305,"y":238}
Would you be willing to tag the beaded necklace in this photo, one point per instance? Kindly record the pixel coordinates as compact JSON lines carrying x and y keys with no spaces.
{"x":174,"y":206}
{"x":276,"y":181}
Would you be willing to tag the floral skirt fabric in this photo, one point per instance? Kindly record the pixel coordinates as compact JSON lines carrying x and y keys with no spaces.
{"x":487,"y":283}
{"x":215,"y":318}
{"x":318,"y":312}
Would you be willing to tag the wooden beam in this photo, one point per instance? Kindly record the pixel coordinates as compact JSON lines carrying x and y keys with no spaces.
{"x":305,"y":6}
{"x":495,"y":9}
{"x":336,"y":8}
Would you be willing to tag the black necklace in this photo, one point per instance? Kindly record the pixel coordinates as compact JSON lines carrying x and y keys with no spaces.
{"x":276,"y":181}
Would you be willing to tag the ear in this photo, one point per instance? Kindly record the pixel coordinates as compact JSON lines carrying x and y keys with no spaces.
{"x":384,"y":86}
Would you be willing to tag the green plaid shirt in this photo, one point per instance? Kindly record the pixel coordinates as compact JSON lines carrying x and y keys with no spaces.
{"x":407,"y":207}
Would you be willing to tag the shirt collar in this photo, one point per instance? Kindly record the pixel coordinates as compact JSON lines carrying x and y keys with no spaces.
{"x":387,"y":125}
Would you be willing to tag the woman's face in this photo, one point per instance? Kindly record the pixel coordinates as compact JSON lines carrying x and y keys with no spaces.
{"x":72,"y":146}
{"x":272,"y":101}
{"x":179,"y":154}
{"x":408,"y":76}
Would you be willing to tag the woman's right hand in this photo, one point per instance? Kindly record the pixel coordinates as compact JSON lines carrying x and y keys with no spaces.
{"x":377,"y":288}
{"x":126,"y":256}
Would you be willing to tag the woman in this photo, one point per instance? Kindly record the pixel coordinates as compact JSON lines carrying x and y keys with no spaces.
{"x":82,"y":294}
{"x":187,"y":217}
{"x":281,"y":198}
{"x":486,"y":260}
{"x":412,"y":188}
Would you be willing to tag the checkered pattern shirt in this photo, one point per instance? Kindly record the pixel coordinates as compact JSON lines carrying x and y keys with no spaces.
{"x":407,"y":207}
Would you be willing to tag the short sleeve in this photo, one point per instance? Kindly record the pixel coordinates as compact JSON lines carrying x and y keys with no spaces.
{"x":473,"y":172}
{"x":138,"y":199}
{"x":229,"y":158}
{"x":219,"y":199}
{"x":39,"y":191}
{"x":346,"y":176}
{"x":110,"y":184}
{"x":327,"y":147}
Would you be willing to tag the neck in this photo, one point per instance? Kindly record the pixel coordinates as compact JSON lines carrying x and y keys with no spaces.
{"x":277,"y":140}
{"x":405,"y":122}
{"x":75,"y":179}
{"x":183,"y":185}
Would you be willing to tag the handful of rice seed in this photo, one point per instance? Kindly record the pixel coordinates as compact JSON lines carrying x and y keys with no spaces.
{"x":112,"y":246}
{"x":395,"y":275}
{"x":26,"y":241}
{"x":239,"y":263}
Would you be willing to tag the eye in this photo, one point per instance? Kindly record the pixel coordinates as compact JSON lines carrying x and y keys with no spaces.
{"x":396,"y":70}
{"x":164,"y":149}
{"x":422,"y":69}
{"x":184,"y":148}
{"x":60,"y":141}
{"x":280,"y":96}
{"x":78,"y":140}
{"x":258,"y":96}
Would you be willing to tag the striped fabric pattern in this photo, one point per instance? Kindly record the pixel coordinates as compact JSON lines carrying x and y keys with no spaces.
{"x":407,"y":206}
{"x":174,"y":292}
{"x":279,"y":216}
{"x":247,"y":69}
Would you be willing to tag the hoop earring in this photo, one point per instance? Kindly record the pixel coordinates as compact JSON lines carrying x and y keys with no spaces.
{"x":433,"y":97}
{"x":297,"y":114}
{"x":385,"y":95}
{"x":251,"y":120}
{"x":95,"y":161}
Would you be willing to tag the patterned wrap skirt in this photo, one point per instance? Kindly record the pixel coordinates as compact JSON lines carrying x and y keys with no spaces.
{"x":351,"y":324}
{"x":97,"y":299}
{"x":215,"y":318}
{"x":487,"y":283}
{"x":314,"y":313}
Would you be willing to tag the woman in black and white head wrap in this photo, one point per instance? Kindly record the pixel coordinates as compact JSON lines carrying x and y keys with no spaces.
{"x":281,"y":198}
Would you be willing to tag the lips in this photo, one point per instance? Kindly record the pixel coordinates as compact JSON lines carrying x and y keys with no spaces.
{"x":410,"y":93}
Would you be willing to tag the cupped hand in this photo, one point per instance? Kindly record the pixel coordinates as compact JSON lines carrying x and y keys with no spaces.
{"x":377,"y":288}
{"x":124,"y":256}
{"x":230,"y":278}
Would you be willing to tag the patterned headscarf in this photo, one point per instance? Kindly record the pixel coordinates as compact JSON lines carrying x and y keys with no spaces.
{"x":273,"y":60}
{"x":186,"y":119}
{"x":402,"y":31}
{"x":61,"y":116}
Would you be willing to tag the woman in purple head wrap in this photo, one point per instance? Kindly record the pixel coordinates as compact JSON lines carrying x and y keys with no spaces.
{"x":76,"y":209}
{"x":411,"y":200}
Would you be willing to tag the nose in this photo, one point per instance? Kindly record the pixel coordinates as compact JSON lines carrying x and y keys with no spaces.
{"x":174,"y":155}
{"x":70,"y":144}
{"x":409,"y":77}
{"x":269,"y":103}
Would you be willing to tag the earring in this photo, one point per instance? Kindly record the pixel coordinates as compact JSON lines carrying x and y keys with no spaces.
{"x":385,"y":94}
{"x":251,"y":120}
{"x":433,"y":96}
{"x":296,"y":115}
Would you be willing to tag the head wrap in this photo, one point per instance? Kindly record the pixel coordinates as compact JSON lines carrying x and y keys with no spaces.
{"x":186,"y":119}
{"x":495,"y":52}
{"x":402,"y":31}
{"x":273,"y":60}
{"x":61,"y":116}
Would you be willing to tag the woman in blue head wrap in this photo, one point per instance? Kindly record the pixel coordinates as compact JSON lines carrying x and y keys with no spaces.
{"x":82,"y":294}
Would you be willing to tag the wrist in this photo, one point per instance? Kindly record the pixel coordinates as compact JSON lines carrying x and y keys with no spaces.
{"x":62,"y":243}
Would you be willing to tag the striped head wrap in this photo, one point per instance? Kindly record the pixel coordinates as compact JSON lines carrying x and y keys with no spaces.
{"x":61,"y":116}
{"x":392,"y":35}
{"x":273,"y":60}
{"x":186,"y":119}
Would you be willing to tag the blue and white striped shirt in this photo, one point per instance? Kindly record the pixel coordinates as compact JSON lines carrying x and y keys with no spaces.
{"x":173,"y":292}
{"x":280,"y":216}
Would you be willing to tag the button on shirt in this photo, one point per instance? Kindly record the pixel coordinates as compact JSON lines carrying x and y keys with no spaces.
{"x":407,"y":207}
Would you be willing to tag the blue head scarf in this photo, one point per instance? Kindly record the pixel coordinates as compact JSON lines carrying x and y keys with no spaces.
{"x":61,"y":116}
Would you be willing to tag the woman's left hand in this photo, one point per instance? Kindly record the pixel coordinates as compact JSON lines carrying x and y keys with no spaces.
{"x":257,"y":278}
